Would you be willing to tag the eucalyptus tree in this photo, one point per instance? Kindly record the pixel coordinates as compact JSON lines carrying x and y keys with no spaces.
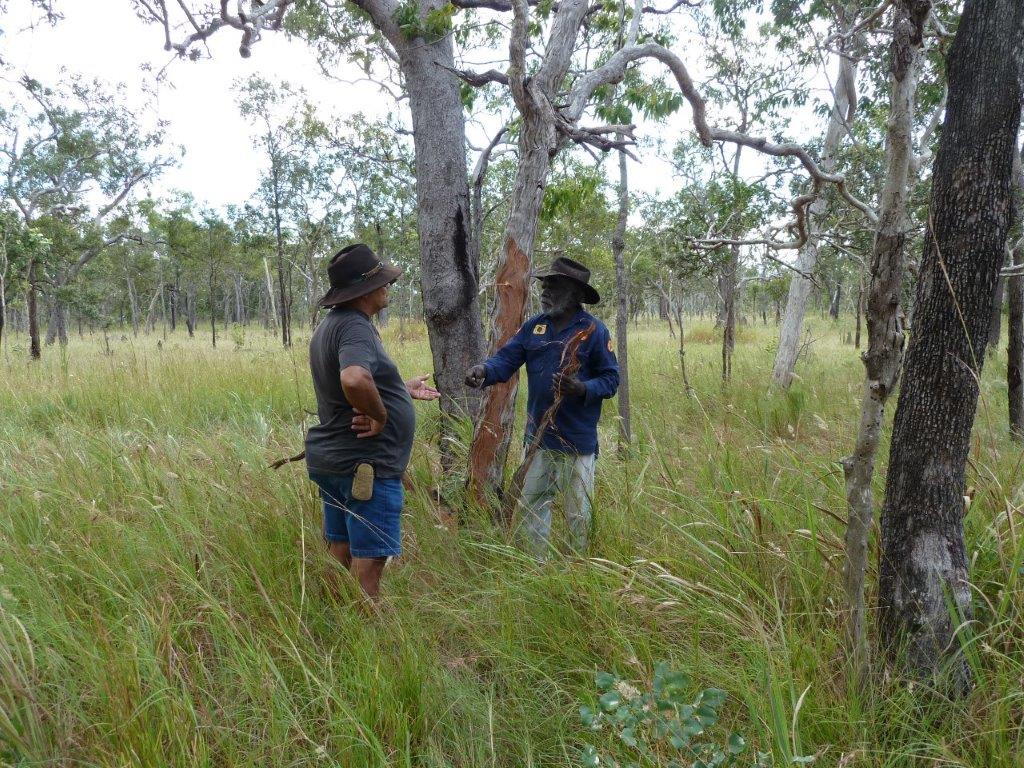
{"x":380,"y":166}
{"x":924,"y":595}
{"x":850,"y":18}
{"x":551,"y":93}
{"x":216,"y":247}
{"x":287,"y":131}
{"x":417,"y":38}
{"x":71,"y":156}
{"x":883,"y":357}
{"x":753,"y":92}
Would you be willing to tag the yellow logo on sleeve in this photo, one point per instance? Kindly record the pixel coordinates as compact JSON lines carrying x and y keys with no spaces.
{"x":540,"y":329}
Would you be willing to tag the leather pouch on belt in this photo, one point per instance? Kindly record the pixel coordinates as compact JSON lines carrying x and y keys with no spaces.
{"x":362,"y":482}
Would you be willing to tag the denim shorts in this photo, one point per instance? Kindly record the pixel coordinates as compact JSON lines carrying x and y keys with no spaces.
{"x":371,"y":528}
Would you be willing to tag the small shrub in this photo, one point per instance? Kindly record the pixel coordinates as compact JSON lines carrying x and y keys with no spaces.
{"x":661,"y":726}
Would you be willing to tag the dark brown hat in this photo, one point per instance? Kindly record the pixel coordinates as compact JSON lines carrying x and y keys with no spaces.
{"x":356,"y":271}
{"x":563,"y":267}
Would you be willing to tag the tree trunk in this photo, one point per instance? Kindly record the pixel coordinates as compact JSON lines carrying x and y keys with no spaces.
{"x":837,"y":296}
{"x":996,"y":319}
{"x":3,"y":304}
{"x":1015,"y":347}
{"x":622,"y":296}
{"x":449,"y":265}
{"x":924,"y":593}
{"x":843,"y":107}
{"x":537,"y":141}
{"x":175,"y":292}
{"x":286,"y":335}
{"x":1015,"y":312}
{"x":884,"y":354}
{"x":31,"y":300}
{"x":860,"y":309}
{"x":727,"y":287}
{"x":57,"y":326}
{"x":213,"y":312}
{"x":150,"y":323}
{"x":190,"y":310}
{"x":133,"y":303}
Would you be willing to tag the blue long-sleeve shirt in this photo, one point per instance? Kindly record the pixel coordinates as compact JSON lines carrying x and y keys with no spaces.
{"x":574,"y":428}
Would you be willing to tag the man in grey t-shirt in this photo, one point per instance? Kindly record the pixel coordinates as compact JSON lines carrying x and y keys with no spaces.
{"x":367,"y":419}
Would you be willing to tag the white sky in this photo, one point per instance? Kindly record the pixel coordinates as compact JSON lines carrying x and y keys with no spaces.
{"x":220,"y":165}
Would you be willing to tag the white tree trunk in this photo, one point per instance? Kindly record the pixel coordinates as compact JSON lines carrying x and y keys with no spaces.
{"x":843,"y":107}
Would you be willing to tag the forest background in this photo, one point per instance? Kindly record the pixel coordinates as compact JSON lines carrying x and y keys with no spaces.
{"x":770,"y":191}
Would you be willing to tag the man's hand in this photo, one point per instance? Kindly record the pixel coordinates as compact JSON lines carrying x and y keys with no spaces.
{"x":569,"y":385}
{"x":364,"y":426}
{"x":420,"y":390}
{"x":475,"y":376}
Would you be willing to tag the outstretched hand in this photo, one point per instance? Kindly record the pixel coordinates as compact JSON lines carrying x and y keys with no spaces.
{"x":420,"y":390}
{"x":569,"y":385}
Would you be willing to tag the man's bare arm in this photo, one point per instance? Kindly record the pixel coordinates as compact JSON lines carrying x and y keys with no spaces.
{"x":361,"y":392}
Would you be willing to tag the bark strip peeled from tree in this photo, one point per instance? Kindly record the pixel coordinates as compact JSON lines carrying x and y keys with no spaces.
{"x":924,"y":592}
{"x":491,"y":440}
{"x":884,"y":353}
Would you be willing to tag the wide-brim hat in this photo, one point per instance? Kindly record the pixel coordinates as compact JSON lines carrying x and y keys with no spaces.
{"x":355,"y":271}
{"x":573,"y":270}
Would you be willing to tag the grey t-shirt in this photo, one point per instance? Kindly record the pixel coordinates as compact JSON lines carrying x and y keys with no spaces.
{"x":346,"y":337}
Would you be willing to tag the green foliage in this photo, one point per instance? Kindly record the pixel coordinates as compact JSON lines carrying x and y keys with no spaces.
{"x":431,"y":26}
{"x":660,"y":724}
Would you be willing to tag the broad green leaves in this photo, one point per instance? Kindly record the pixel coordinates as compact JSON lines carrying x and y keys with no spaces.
{"x":664,"y":721}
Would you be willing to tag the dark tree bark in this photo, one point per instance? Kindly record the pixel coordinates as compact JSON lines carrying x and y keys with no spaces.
{"x":622,"y":308}
{"x":449,"y":262}
{"x":996,"y":318}
{"x":1015,"y":312}
{"x":286,"y":325}
{"x":213,"y":311}
{"x":924,"y":593}
{"x":35,"y":349}
{"x":837,"y":296}
{"x":884,"y":354}
{"x":1015,"y":347}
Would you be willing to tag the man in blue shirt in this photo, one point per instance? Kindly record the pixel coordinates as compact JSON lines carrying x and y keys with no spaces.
{"x":564,"y":465}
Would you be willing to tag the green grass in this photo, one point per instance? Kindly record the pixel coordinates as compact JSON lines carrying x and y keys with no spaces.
{"x":163,"y":598}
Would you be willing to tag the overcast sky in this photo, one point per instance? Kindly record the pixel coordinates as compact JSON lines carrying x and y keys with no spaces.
{"x":220,"y":165}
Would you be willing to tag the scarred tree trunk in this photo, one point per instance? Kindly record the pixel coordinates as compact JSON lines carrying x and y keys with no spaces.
{"x":924,"y":593}
{"x":622,"y":309}
{"x":448,"y":261}
{"x":884,"y":354}
{"x":539,"y":141}
{"x":843,"y":107}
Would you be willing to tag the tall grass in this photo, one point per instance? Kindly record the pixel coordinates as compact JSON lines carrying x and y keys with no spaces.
{"x":166,"y":600}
